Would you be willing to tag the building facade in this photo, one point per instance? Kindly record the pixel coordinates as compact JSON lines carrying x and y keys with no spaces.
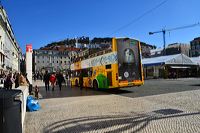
{"x":178,"y":48}
{"x":146,"y":49}
{"x":156,"y":52}
{"x":10,"y":51}
{"x":172,"y":49}
{"x":53,"y":59}
{"x":195,"y":47}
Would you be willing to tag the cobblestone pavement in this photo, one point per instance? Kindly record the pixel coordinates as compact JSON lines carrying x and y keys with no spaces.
{"x":72,"y":110}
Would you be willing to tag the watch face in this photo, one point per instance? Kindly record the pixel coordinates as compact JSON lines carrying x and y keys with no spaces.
{"x":126,"y":74}
{"x":129,"y":56}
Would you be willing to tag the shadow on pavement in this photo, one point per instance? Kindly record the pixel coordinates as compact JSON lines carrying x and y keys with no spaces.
{"x":67,"y":91}
{"x":113,"y":123}
{"x":195,"y":85}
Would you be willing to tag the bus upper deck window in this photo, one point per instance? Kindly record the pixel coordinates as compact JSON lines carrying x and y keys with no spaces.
{"x":125,"y":39}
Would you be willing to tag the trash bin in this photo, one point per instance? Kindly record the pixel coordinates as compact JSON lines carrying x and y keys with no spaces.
{"x":10,"y":111}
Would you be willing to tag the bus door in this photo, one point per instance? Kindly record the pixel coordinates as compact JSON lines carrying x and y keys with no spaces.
{"x":128,"y":59}
{"x":89,"y":83}
{"x":109,"y":76}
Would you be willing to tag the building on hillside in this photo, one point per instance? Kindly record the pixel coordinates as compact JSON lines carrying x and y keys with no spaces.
{"x":53,"y":59}
{"x":146,"y":49}
{"x":88,"y":46}
{"x":10,"y":52}
{"x":172,"y":49}
{"x":156,"y":52}
{"x":92,"y":46}
{"x":177,"y":48}
{"x":171,"y":66}
{"x":106,"y":45}
{"x":195,"y":47}
{"x":106,"y":40}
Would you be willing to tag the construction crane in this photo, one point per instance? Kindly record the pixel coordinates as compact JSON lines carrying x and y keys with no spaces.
{"x":167,"y":30}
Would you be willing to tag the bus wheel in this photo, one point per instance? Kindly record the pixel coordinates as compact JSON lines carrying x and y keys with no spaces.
{"x":76,"y":83}
{"x":95,"y":85}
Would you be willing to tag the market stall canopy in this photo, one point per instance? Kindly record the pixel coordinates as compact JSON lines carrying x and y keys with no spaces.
{"x":178,"y":59}
{"x":196,"y":60}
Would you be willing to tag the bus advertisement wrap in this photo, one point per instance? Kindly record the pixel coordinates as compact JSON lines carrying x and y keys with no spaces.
{"x":128,"y":59}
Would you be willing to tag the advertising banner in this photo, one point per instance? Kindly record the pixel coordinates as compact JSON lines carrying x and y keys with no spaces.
{"x":128,"y":59}
{"x":29,"y":71}
{"x":29,"y":48}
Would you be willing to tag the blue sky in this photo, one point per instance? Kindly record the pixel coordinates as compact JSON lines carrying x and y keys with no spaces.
{"x":40,"y":22}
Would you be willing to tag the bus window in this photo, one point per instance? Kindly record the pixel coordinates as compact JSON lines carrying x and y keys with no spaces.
{"x":85,"y":72}
{"x":108,"y":66}
{"x":89,"y":72}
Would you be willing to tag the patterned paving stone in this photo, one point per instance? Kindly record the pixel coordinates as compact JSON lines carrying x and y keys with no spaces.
{"x":174,"y":112}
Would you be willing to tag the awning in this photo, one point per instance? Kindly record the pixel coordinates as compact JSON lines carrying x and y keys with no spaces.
{"x":178,"y":59}
{"x":180,"y":66}
{"x":153,"y":64}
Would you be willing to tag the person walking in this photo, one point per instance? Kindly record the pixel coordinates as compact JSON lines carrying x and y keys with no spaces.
{"x":60,"y":80}
{"x":34,"y":76}
{"x":81,"y":80}
{"x":36,"y":92}
{"x":46,"y":79}
{"x":53,"y":80}
{"x":8,"y":82}
{"x":22,"y":80}
{"x":17,"y":80}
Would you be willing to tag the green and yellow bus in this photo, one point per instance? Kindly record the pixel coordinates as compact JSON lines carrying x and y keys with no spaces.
{"x":119,"y":66}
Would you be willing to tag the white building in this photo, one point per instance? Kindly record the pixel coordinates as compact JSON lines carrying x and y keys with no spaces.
{"x":156,"y":52}
{"x":178,"y":48}
{"x":9,"y":49}
{"x":52,"y":59}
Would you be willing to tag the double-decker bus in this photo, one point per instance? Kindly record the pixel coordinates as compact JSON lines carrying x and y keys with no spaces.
{"x":119,"y":66}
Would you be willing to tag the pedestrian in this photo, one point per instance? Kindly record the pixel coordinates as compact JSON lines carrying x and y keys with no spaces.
{"x":53,"y":80}
{"x":46,"y":79}
{"x":67,"y":79}
{"x":60,"y":80}
{"x":175,"y":76}
{"x":30,"y":87}
{"x":8,"y":82}
{"x":36,"y":92}
{"x":34,"y":76}
{"x":17,"y":80}
{"x":22,"y":80}
{"x":38,"y":75}
{"x":41,"y":77}
{"x":81,"y":80}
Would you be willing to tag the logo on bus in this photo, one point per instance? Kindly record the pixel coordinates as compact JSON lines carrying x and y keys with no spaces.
{"x":126,"y":74}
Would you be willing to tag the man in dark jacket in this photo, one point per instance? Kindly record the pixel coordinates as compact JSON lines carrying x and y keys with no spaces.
{"x":17,"y":80}
{"x":60,"y":80}
{"x":46,"y":80}
{"x":8,"y":82}
{"x":81,"y":80}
